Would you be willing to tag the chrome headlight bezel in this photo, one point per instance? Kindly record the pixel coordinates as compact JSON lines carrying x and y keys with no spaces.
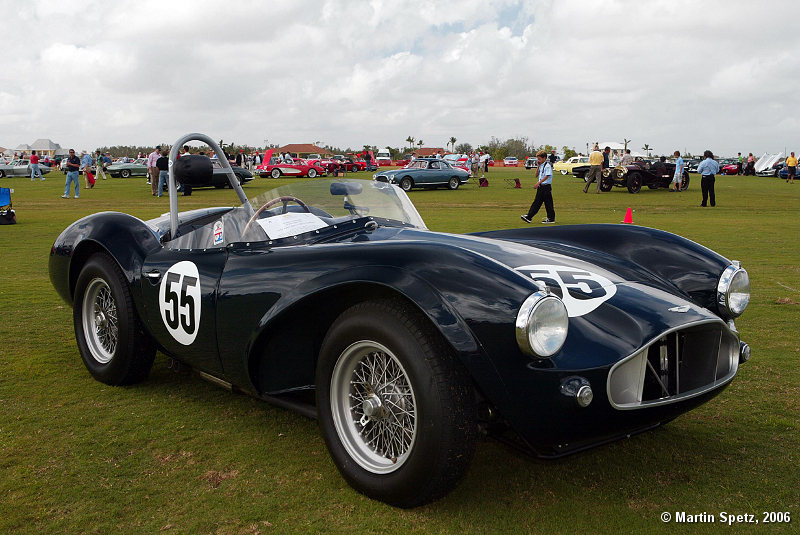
{"x":534,"y":340}
{"x":734,"y":280}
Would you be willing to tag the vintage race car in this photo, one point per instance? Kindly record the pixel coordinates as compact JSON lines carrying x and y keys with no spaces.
{"x":410,"y":340}
{"x":640,"y":173}
{"x":21,"y":167}
{"x":424,"y":173}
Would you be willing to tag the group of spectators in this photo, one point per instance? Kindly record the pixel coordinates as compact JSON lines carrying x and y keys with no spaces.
{"x":708,"y":169}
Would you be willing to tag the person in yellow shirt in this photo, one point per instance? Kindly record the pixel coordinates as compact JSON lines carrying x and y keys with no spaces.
{"x":791,"y":168}
{"x":595,"y":169}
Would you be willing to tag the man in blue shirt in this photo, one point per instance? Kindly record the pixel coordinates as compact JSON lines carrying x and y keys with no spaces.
{"x":677,"y":178}
{"x":544,"y":191}
{"x":73,"y":164}
{"x":707,"y":169}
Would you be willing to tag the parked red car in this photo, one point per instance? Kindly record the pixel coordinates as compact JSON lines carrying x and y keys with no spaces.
{"x":295,"y":167}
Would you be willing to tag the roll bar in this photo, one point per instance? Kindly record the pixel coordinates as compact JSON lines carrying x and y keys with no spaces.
{"x":173,"y":193}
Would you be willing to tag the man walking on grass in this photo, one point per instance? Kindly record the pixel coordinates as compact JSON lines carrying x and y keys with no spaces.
{"x":544,"y":191}
{"x":595,"y":169}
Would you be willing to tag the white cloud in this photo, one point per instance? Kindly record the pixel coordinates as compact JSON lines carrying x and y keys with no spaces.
{"x":674,"y":74}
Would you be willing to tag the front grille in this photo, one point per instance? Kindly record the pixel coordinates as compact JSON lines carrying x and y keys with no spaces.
{"x":679,"y":364}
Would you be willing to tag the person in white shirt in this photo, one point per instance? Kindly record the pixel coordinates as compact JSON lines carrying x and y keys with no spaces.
{"x":484,"y":163}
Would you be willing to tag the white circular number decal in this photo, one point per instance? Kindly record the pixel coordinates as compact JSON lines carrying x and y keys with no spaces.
{"x":179,"y":300}
{"x":581,"y":291}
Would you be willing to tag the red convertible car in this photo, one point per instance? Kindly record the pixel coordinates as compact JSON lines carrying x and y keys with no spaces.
{"x":294,"y":167}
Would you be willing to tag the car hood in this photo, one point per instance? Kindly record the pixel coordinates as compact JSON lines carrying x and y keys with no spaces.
{"x":606,"y":297}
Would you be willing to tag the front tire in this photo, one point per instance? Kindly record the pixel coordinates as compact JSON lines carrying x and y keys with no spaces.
{"x":276,"y":173}
{"x":606,"y":184}
{"x":395,"y":406}
{"x":685,"y":182}
{"x":113,"y":345}
{"x":634,"y":183}
{"x":563,"y":171}
{"x":453,"y":183}
{"x":406,"y":184}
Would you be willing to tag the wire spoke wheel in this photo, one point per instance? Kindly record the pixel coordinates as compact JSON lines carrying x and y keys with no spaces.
{"x":374,"y":407}
{"x":100,"y":322}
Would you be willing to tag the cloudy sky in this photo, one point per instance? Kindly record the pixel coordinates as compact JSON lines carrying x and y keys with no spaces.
{"x":677,"y":74}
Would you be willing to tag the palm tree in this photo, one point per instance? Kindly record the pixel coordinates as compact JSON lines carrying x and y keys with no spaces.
{"x":626,"y":143}
{"x":410,"y":141}
{"x":647,"y":148}
{"x":420,"y":142}
{"x":453,"y":143}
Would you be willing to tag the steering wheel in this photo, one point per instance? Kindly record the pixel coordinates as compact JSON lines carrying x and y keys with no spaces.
{"x":267,"y":205}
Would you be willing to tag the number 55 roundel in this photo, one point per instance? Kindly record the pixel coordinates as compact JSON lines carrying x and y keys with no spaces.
{"x":179,"y":301}
{"x":581,"y":291}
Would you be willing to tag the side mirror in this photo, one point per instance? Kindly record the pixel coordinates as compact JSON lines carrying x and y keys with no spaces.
{"x":193,"y":170}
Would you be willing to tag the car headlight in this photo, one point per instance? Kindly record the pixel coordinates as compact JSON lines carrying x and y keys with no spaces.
{"x":542,"y":325}
{"x":733,"y":290}
{"x":622,"y":171}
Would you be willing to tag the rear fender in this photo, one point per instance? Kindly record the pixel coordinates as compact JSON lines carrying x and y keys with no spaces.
{"x":128,"y":240}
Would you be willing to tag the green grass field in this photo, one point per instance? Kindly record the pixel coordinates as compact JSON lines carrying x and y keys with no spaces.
{"x":179,"y":455}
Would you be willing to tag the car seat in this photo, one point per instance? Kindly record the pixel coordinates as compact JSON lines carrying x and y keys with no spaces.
{"x":7,"y":214}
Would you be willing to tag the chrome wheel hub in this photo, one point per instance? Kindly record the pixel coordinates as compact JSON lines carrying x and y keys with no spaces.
{"x":99,"y":318}
{"x":373,"y":407}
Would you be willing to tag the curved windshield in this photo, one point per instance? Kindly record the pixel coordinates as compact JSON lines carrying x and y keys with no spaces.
{"x":303,"y":212}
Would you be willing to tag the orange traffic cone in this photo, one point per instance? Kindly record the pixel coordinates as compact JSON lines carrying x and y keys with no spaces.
{"x":628,"y":216}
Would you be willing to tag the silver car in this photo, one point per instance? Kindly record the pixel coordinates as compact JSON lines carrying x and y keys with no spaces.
{"x":20,"y":167}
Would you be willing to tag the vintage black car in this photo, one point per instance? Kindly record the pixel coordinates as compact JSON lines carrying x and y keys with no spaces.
{"x":410,"y":341}
{"x":580,"y":171}
{"x":654,"y":175}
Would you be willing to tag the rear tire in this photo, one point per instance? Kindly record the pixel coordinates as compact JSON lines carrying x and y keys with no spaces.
{"x":394,"y":404}
{"x":125,"y":173}
{"x":685,"y":181}
{"x":453,"y":183}
{"x":113,"y":345}
{"x":312,"y":173}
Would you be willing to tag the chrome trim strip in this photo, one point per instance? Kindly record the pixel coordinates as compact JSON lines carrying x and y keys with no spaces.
{"x":734,"y":367}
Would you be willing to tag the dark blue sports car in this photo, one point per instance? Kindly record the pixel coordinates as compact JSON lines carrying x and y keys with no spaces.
{"x":407,"y":341}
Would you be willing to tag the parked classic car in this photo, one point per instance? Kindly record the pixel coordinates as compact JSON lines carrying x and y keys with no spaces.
{"x":580,"y":171}
{"x":21,"y":167}
{"x":565,"y":167}
{"x":350,"y":164}
{"x":640,"y":173}
{"x":295,"y":167}
{"x":424,"y":173}
{"x":138,"y":167}
{"x":461,"y":161}
{"x":510,"y":161}
{"x":531,"y":162}
{"x":410,"y":340}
